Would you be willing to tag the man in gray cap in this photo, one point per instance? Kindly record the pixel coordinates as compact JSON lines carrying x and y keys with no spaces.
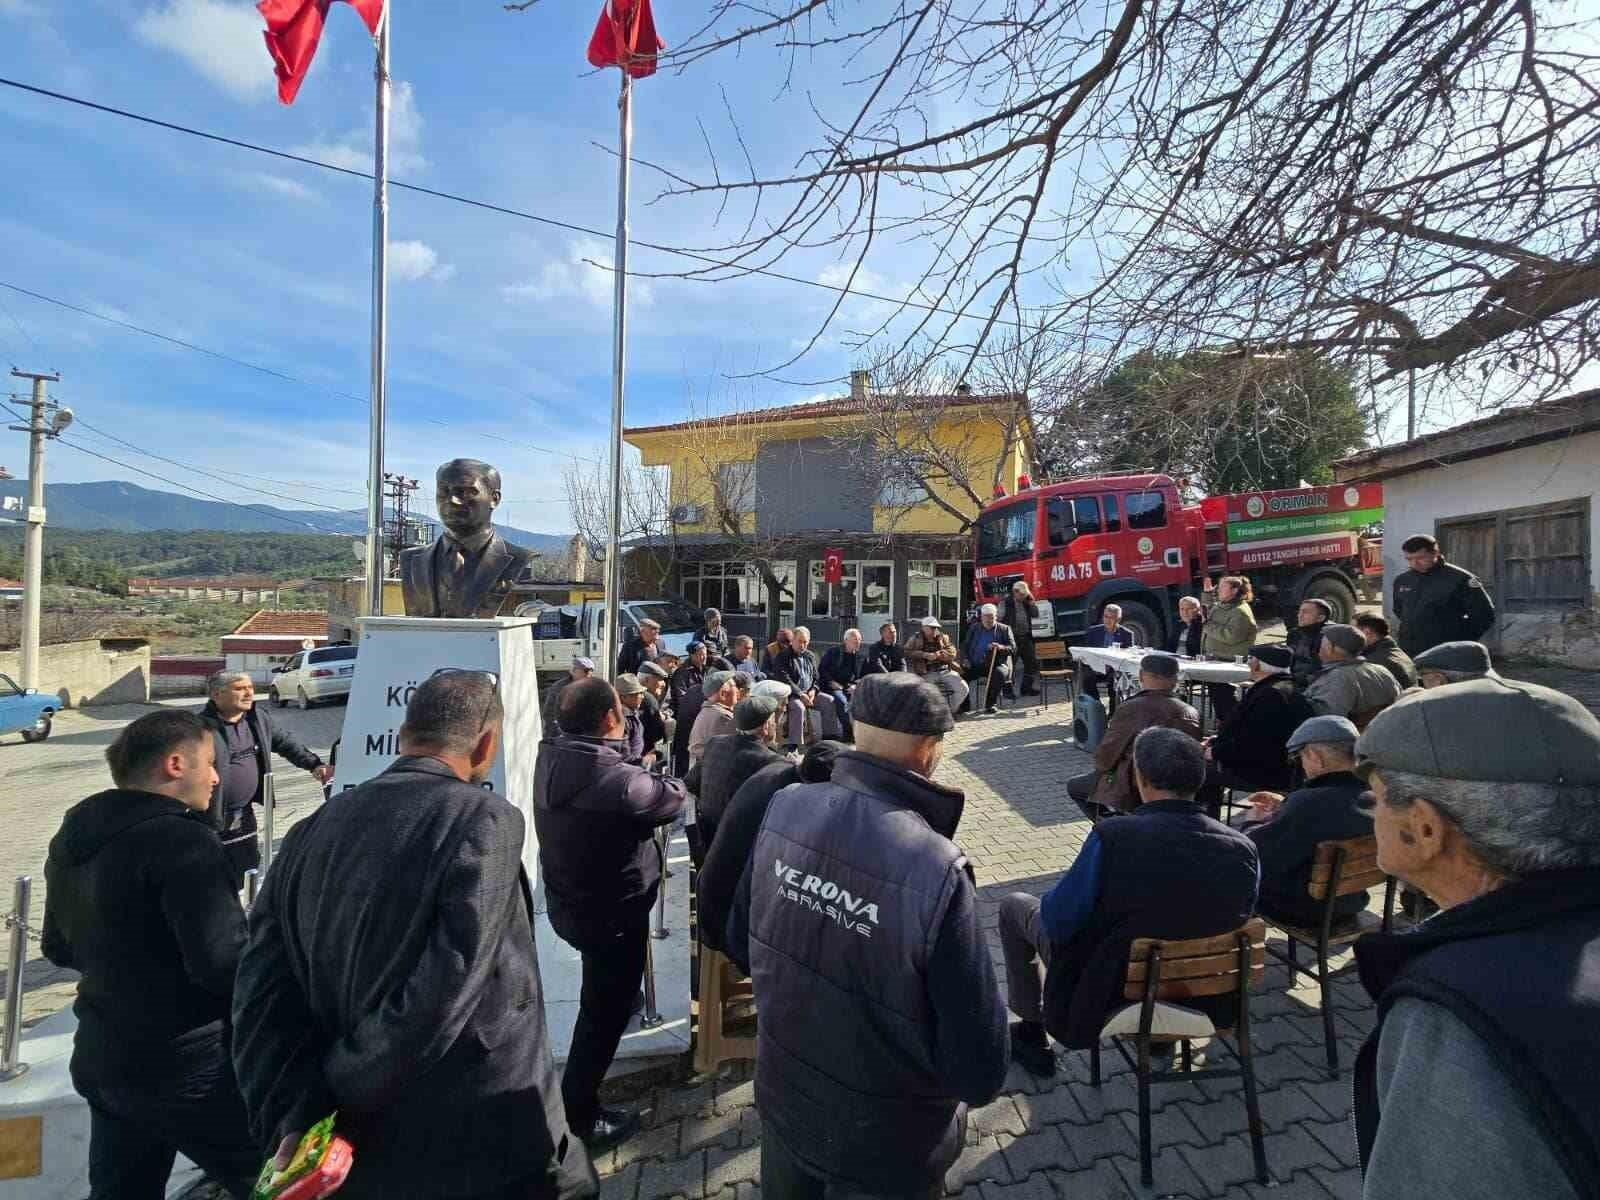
{"x":1286,"y":829}
{"x":880,"y":1018}
{"x":1348,"y":685}
{"x":1109,"y":788}
{"x":1454,"y":662}
{"x":721,"y":693}
{"x":728,"y":759}
{"x":931,"y":654}
{"x":639,"y":747}
{"x":1480,"y":1077}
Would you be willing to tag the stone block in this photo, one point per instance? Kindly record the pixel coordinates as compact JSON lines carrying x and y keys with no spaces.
{"x":1167,"y":1128}
{"x":659,"y":1142}
{"x":998,"y":1116}
{"x":1050,"y":1108}
{"x":720,"y":1129}
{"x":1041,"y":1151}
{"x":621,"y":1185}
{"x":660,"y":1179}
{"x":1224,"y":1166}
{"x":727,"y":1168}
{"x":1294,"y":1149}
{"x":978,"y":1162}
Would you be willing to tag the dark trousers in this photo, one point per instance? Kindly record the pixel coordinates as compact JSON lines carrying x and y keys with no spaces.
{"x":1027,"y":955}
{"x":612,"y":972}
{"x":1080,"y":788}
{"x":1089,"y":681}
{"x":1224,"y":699}
{"x":783,"y":1178}
{"x":841,"y":707}
{"x":137,"y":1128}
{"x":1030,"y":666}
{"x":242,"y":848}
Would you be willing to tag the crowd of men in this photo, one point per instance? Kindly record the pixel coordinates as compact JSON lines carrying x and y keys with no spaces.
{"x":389,"y":972}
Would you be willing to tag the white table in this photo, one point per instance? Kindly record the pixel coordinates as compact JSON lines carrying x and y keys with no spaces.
{"x":1123,"y":664}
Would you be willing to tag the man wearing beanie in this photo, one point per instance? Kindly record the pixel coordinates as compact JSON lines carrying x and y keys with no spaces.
{"x":1249,"y":749}
{"x":880,"y":1017}
{"x":730,"y":758}
{"x":1349,"y":685}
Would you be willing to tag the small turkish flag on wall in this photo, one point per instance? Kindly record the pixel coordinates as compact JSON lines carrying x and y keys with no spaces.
{"x":833,"y":566}
{"x":626,"y":38}
{"x":294,"y":27}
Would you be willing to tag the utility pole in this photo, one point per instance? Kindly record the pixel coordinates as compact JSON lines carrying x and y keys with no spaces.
{"x":399,"y":530}
{"x":33,"y":532}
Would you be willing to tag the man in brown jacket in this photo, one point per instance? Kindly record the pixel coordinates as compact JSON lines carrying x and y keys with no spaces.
{"x":1109,"y":788}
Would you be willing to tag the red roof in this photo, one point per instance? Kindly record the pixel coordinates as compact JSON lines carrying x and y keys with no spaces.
{"x":10,"y":583}
{"x":233,"y":644}
{"x":285,"y":622}
{"x":844,"y":406}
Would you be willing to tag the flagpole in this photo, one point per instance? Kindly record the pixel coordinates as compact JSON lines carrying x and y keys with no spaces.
{"x":380,"y":322}
{"x":619,"y":335}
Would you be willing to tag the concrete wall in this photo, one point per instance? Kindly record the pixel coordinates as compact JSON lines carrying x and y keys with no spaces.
{"x":88,"y":672}
{"x":1560,"y":470}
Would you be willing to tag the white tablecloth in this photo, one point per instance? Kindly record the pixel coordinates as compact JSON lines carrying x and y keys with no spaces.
{"x":1126,"y":662}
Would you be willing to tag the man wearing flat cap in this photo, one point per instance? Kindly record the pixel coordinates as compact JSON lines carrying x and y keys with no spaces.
{"x":1480,"y":1077}
{"x":1286,"y":829}
{"x":728,"y":759}
{"x":1453,"y":662}
{"x":1249,"y":751}
{"x":684,"y":688}
{"x":1348,"y":685}
{"x":719,"y":693}
{"x":880,"y":1018}
{"x":1110,"y":787}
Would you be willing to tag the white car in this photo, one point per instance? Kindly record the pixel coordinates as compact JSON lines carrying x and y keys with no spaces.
{"x":313,"y":676}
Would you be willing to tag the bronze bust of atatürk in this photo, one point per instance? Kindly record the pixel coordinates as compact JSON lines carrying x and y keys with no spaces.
{"x":470,"y":570}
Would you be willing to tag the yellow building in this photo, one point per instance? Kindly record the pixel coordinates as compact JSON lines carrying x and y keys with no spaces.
{"x":891,"y":482}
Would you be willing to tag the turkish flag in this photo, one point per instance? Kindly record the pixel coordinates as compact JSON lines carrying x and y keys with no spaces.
{"x":626,"y":38}
{"x":833,"y":566}
{"x":294,"y":27}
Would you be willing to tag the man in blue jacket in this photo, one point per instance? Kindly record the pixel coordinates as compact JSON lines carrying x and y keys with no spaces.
{"x":1109,"y":633}
{"x":880,"y":1018}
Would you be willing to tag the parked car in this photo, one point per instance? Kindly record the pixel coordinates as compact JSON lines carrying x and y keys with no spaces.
{"x":25,"y":710}
{"x":313,"y":676}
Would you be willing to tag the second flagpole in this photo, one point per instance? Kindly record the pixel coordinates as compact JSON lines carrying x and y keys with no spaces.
{"x":619,"y":334}
{"x":380,"y":322}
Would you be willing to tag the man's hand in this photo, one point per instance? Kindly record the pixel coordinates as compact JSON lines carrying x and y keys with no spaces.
{"x":1265,"y":804}
{"x":1208,"y":586}
{"x":1208,"y":749}
{"x":649,"y":760}
{"x":286,"y":1149}
{"x":322,"y":774}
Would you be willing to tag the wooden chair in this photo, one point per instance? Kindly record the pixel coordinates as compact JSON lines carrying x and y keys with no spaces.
{"x":724,"y":996}
{"x":1053,"y":651}
{"x":1163,"y":974}
{"x":1340,"y":868}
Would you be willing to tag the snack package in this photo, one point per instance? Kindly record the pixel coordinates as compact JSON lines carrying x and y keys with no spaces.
{"x":320,"y":1163}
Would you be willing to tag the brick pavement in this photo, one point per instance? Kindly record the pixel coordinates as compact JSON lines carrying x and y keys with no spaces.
{"x":1041,"y":1140}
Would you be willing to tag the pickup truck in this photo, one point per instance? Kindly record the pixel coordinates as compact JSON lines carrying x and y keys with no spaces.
{"x":25,"y":710}
{"x":566,"y":631}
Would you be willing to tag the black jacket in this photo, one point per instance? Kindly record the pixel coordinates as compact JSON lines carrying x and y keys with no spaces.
{"x":229,"y":813}
{"x":1187,"y":638}
{"x":882,"y":657}
{"x":1386,"y":653}
{"x":1323,"y":810}
{"x":880,"y":1015}
{"x":1166,"y":871}
{"x":686,"y":694}
{"x":840,"y":669}
{"x":391,"y":974}
{"x":797,"y":668}
{"x":1304,"y":642}
{"x":726,"y":762}
{"x":1019,"y":615}
{"x":632,"y":656}
{"x":141,"y":903}
{"x":1251,"y":742}
{"x":654,"y":724}
{"x":596,"y":817}
{"x":1520,"y":967}
{"x":1446,"y":604}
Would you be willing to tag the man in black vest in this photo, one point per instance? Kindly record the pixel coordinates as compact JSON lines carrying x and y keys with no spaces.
{"x":1480,"y":1077}
{"x":880,"y":1018}
{"x":1249,"y":751}
{"x":1165,"y":870}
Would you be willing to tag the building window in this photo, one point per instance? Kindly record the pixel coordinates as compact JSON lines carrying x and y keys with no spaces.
{"x":1530,"y":559}
{"x":900,"y":491}
{"x":736,"y":588}
{"x":864,"y":590}
{"x":1147,"y":510}
{"x":736,"y":486}
{"x":933,"y":590}
{"x":1113,"y":520}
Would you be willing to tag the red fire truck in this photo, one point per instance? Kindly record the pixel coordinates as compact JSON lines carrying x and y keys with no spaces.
{"x":1130,"y":539}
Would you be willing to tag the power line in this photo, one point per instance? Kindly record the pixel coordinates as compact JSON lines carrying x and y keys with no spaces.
{"x":272,"y":371}
{"x":488,"y":206}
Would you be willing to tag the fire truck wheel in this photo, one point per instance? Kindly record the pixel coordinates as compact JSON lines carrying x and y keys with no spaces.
{"x":1146,"y":626}
{"x":1336,"y":593}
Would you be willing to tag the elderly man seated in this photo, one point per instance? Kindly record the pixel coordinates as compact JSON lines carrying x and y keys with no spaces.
{"x":1166,"y":870}
{"x":1109,"y":633}
{"x":986,"y":654}
{"x":1348,"y":685}
{"x":1286,"y":829}
{"x":1385,"y":651}
{"x":841,"y":669}
{"x":1454,"y":662}
{"x":1250,"y":748}
{"x":1110,"y":786}
{"x":1480,"y":1076}
{"x":931,"y":654}
{"x":730,"y":758}
{"x":720,"y":692}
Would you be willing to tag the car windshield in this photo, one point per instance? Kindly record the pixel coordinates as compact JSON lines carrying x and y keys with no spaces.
{"x":7,"y":684}
{"x":332,"y":654}
{"x":1007,"y":532}
{"x":670,"y":615}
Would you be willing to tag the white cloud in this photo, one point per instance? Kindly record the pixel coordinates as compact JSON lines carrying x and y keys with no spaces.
{"x":417,"y":260}
{"x":293,"y":189}
{"x":584,"y":274}
{"x":353,"y":150}
{"x":219,"y":39}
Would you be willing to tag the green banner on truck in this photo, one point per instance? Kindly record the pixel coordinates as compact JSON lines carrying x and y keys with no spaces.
{"x":1302,"y":525}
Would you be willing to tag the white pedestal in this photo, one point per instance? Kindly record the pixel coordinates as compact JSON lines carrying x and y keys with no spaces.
{"x":399,"y":653}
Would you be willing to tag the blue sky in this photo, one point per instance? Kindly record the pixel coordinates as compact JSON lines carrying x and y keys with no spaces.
{"x":499,"y":329}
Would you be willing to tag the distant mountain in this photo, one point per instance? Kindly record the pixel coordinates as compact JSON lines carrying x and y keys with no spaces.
{"x":115,"y":504}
